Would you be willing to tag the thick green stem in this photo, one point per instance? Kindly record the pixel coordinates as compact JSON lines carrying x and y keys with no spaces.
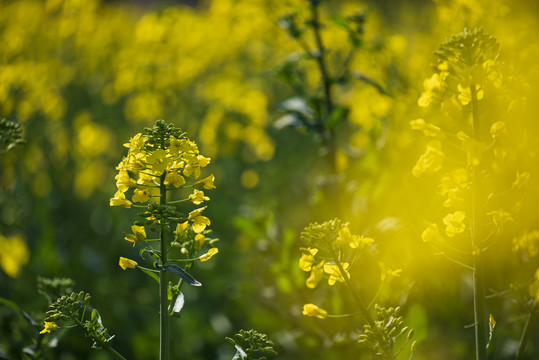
{"x":480,"y":314}
{"x":164,"y":353}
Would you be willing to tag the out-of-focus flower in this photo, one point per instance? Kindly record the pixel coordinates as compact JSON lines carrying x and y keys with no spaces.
{"x":315,"y":311}
{"x":455,"y":223}
{"x":14,"y":254}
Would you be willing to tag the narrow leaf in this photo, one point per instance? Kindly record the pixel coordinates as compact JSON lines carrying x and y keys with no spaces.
{"x":181,"y":273}
{"x":149,"y":273}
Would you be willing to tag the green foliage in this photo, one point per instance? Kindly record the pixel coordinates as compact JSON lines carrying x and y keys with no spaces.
{"x":252,"y":345}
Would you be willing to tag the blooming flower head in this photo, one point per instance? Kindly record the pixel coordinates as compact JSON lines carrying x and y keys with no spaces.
{"x":313,"y":310}
{"x":317,"y":273}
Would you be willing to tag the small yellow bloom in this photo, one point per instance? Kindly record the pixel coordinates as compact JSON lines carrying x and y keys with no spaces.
{"x":49,"y":326}
{"x":120,"y":200}
{"x":427,"y":129}
{"x":387,"y":274}
{"x":200,"y":223}
{"x":139,"y":233}
{"x":182,"y":227}
{"x":174,"y":178}
{"x":127,"y":263}
{"x":141,"y":195}
{"x":317,"y":273}
{"x":123,"y":181}
{"x":307,"y":259}
{"x":158,"y":161}
{"x":197,"y":197}
{"x":431,"y":161}
{"x":200,"y":239}
{"x":335,"y":274}
{"x":313,"y":310}
{"x":497,"y":129}
{"x":499,"y":217}
{"x":431,"y":234}
{"x":206,"y":183}
{"x":455,"y":223}
{"x":207,"y":256}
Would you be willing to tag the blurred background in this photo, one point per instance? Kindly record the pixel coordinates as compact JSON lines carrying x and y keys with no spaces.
{"x":83,"y":76}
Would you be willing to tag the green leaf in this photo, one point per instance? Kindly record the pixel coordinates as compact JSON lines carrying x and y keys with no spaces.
{"x":181,"y":273}
{"x":15,"y":307}
{"x":149,"y":273}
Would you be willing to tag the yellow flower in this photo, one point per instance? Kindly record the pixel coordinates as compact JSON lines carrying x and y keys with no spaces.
{"x":207,"y":256}
{"x":141,"y":195}
{"x":120,"y":200}
{"x":197,"y":197}
{"x":123,"y":181}
{"x":455,"y":223}
{"x":529,"y":241}
{"x":313,"y":310}
{"x":159,"y":161}
{"x":335,"y":274}
{"x":317,"y":273}
{"x":49,"y":326}
{"x":174,"y":178}
{"x":499,"y":217}
{"x":307,"y":259}
{"x":13,"y":255}
{"x":136,"y":143}
{"x":431,"y":234}
{"x":206,"y":183}
{"x":387,"y":274}
{"x":199,"y":222}
{"x":465,"y":96}
{"x":497,"y":129}
{"x":200,"y":239}
{"x":427,"y":129}
{"x":431,"y":161}
{"x":139,"y":233}
{"x":182,"y":227}
{"x":127,"y":263}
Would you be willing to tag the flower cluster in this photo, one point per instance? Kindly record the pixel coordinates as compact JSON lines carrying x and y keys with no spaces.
{"x":160,"y":160}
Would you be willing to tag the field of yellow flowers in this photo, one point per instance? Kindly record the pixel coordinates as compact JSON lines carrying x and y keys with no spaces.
{"x":257,"y":179}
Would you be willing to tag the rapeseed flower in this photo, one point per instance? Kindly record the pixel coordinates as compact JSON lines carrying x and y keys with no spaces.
{"x":313,"y":310}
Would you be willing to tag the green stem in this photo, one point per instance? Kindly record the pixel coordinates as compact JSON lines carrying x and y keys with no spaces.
{"x":530,"y":321}
{"x":480,"y":314}
{"x":103,"y":344}
{"x":164,"y":353}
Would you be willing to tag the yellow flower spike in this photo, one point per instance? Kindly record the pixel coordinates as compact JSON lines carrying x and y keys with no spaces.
{"x":334,"y":273}
{"x":206,"y":183}
{"x":48,"y":327}
{"x":120,"y":200}
{"x":141,"y":195}
{"x":455,"y":223}
{"x":197,"y":197}
{"x":207,"y":256}
{"x":174,"y":178}
{"x":315,"y":311}
{"x":307,"y":259}
{"x":317,"y":273}
{"x":126,"y":263}
{"x":431,"y":234}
